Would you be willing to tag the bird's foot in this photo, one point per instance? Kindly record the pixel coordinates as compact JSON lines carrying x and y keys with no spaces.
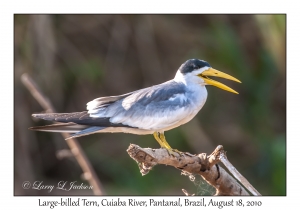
{"x":160,"y":138}
{"x":174,"y":152}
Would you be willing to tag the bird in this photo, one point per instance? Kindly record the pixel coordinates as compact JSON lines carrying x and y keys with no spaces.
{"x":152,"y":110}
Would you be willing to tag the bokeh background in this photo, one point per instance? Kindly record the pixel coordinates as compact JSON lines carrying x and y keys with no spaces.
{"x":76,"y":58}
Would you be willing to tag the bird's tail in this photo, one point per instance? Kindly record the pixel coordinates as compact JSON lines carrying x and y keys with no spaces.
{"x":60,"y":127}
{"x":69,"y":123}
{"x":75,"y":117}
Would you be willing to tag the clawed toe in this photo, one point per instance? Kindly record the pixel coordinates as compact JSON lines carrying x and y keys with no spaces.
{"x":174,"y":152}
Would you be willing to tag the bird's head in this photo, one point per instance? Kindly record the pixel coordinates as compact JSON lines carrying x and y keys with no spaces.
{"x":198,"y":71}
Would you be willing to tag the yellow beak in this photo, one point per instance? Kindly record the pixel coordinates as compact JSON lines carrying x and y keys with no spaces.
{"x":216,"y":73}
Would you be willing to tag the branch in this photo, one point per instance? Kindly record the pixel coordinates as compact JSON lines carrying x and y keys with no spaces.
{"x":201,"y":164}
{"x":237,"y":175}
{"x":89,"y":173}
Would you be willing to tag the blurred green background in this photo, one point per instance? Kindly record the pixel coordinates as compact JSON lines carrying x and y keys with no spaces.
{"x":76,"y":58}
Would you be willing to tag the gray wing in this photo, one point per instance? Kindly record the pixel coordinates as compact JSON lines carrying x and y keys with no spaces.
{"x":149,"y":108}
{"x":104,"y":101}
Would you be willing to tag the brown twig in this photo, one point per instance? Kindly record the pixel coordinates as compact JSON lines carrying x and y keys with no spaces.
{"x":75,"y":148}
{"x":201,"y":164}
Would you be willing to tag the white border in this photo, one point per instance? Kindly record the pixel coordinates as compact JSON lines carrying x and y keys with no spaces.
{"x":8,"y":8}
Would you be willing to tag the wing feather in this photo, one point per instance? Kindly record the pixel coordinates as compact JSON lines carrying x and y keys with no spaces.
{"x":150,"y":108}
{"x":104,"y":101}
{"x":81,"y":118}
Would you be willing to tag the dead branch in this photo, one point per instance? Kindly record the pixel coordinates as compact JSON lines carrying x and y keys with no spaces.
{"x":88,"y":171}
{"x":205,"y":166}
{"x":237,"y":174}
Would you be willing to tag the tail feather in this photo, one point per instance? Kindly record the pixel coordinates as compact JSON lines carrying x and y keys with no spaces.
{"x":63,"y":117}
{"x":86,"y":131}
{"x":81,"y":118}
{"x":61,"y":127}
{"x":79,"y":123}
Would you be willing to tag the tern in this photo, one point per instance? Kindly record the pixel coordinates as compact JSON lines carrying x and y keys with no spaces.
{"x":151,"y":110}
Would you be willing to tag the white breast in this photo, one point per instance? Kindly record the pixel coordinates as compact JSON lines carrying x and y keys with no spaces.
{"x":197,"y":97}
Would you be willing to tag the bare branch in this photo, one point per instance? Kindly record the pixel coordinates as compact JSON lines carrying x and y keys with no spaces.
{"x":237,"y":174}
{"x":201,"y":164}
{"x":75,"y":148}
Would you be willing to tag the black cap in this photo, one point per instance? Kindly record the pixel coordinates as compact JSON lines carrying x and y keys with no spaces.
{"x":192,"y":64}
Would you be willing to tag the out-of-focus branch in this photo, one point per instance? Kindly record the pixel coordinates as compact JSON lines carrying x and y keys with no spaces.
{"x":201,"y":164}
{"x":89,"y":173}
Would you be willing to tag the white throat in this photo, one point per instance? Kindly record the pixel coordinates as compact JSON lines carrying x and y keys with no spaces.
{"x":179,"y":77}
{"x":191,"y":78}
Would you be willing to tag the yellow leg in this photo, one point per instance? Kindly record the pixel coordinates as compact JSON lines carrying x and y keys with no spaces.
{"x":161,"y":139}
{"x":156,"y":136}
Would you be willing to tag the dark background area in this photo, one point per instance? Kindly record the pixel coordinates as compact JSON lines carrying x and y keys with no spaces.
{"x":76,"y":58}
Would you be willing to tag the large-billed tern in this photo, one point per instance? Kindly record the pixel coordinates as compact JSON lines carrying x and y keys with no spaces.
{"x":151,"y":110}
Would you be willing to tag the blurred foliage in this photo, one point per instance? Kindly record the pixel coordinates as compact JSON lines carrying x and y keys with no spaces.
{"x":76,"y":58}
